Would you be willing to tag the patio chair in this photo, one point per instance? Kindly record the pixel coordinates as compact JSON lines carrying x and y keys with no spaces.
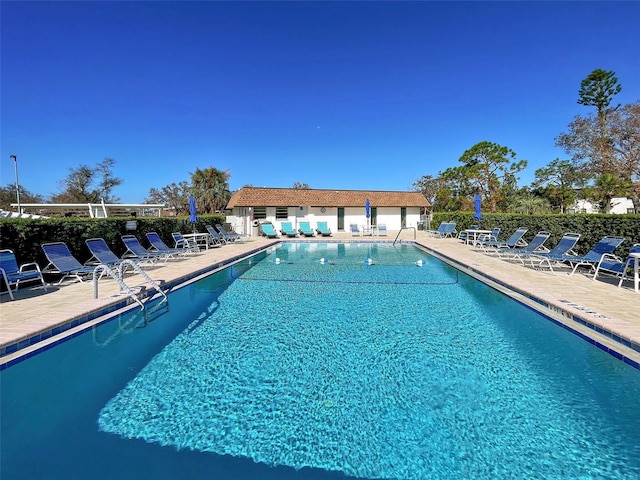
{"x":62,"y":262}
{"x":462,"y":236}
{"x":135,"y":250}
{"x":323,"y":229}
{"x":355,"y":231}
{"x":564,"y":247}
{"x":268,"y":230}
{"x":216,"y":239}
{"x":515,"y":240}
{"x":536,"y":245}
{"x":157,"y":245}
{"x":306,"y":230}
{"x":610,"y":263}
{"x":382,"y":230}
{"x":102,"y":254}
{"x":13,"y":274}
{"x":287,"y":229}
{"x":606,"y":245}
{"x":228,"y":236}
{"x":181,"y":242}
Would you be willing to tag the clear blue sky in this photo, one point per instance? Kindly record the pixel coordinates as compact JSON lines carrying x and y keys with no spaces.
{"x":345,"y":95}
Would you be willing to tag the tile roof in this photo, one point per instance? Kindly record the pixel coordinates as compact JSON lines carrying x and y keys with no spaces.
{"x":288,"y":197}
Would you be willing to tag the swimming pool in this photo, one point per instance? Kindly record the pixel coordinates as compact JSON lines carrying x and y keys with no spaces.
{"x":284,"y":366}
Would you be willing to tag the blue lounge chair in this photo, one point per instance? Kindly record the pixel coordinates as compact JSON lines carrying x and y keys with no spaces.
{"x":102,"y":254}
{"x":268,"y":230}
{"x":62,"y":262}
{"x":216,"y":239}
{"x":610,"y":263}
{"x":13,"y":274}
{"x":228,"y":236}
{"x":306,"y":230}
{"x":535,"y":246}
{"x":323,"y":229}
{"x":135,"y":250}
{"x":515,"y":240}
{"x":355,"y":231}
{"x":382,"y":230}
{"x":606,"y":245}
{"x":157,"y":245}
{"x":287,"y":229}
{"x":564,"y":247}
{"x":437,"y":232}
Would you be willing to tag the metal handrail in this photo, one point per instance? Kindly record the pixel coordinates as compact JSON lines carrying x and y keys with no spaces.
{"x":405,"y":228}
{"x":117,"y":276}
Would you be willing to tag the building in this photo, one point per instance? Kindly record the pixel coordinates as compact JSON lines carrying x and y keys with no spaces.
{"x":619,"y":205}
{"x":339,"y":208}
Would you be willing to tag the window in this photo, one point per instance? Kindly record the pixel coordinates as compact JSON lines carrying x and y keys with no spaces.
{"x":282,"y":213}
{"x":259,"y":213}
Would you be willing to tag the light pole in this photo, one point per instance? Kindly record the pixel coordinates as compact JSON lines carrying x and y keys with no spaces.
{"x":15,"y":164}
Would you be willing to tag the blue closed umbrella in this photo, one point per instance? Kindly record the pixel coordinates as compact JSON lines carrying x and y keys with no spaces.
{"x":192,"y":211}
{"x":367,"y":210}
{"x":478,"y":203}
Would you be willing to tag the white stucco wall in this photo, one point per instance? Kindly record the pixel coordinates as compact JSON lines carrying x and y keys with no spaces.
{"x":390,"y":216}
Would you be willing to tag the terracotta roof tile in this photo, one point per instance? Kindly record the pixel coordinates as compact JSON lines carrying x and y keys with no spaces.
{"x":288,"y":197}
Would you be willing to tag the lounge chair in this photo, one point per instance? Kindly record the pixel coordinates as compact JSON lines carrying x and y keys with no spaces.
{"x":13,"y":274}
{"x":610,"y":263}
{"x":306,"y":230}
{"x":493,"y":246}
{"x":181,"y":242}
{"x":323,"y":229}
{"x":62,"y":262}
{"x":382,"y":230}
{"x":216,"y":239}
{"x":535,"y":246}
{"x":157,"y":245}
{"x":355,"y":231}
{"x":135,"y":250}
{"x":268,"y":230}
{"x":228,"y":236}
{"x":102,"y":254}
{"x":606,"y":245}
{"x":564,"y":247}
{"x":441,"y":229}
{"x":287,"y":229}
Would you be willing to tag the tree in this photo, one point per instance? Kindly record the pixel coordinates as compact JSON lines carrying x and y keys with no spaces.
{"x":211,"y":188}
{"x":623,"y":146}
{"x":608,"y":186}
{"x":558,"y":182}
{"x":597,"y":90}
{"x":300,"y":186}
{"x":8,"y":196}
{"x":429,"y":187}
{"x":488,"y":169}
{"x":80,"y":185}
{"x":528,"y":203}
{"x":174,"y":196}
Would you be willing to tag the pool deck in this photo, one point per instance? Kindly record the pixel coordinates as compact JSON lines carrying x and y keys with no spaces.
{"x":599,"y":310}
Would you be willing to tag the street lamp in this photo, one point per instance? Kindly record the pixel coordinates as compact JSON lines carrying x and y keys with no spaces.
{"x":15,"y":164}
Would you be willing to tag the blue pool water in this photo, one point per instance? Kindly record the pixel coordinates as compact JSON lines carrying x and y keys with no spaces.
{"x":283,"y":367}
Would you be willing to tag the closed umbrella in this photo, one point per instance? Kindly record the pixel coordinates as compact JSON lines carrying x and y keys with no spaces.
{"x":367,"y":210}
{"x":478,"y":203}
{"x":193,"y":218}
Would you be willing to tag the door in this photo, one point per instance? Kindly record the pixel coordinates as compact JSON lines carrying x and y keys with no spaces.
{"x":340,"y":218}
{"x":403,"y":217}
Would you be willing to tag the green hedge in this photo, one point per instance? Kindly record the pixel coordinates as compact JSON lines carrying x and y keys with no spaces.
{"x":590,"y":227}
{"x":25,"y":236}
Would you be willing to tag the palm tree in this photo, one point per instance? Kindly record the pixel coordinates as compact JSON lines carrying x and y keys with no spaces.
{"x":211,"y":189}
{"x":529,"y":203}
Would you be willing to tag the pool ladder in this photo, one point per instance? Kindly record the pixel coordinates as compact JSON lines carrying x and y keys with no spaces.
{"x":116,"y":274}
{"x":405,"y":228}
